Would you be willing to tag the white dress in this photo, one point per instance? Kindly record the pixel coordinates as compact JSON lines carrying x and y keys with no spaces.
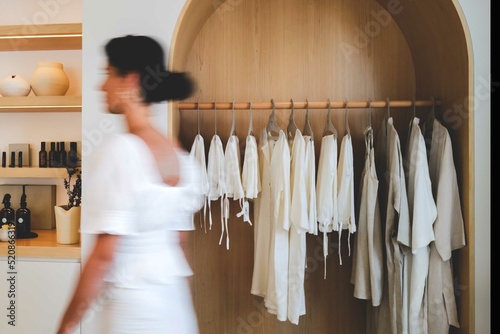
{"x":299,"y":226}
{"x":127,"y":197}
{"x":278,"y":154}
{"x":262,"y":224}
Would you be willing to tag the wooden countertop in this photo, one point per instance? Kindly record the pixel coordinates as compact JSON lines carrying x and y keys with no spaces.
{"x":43,"y":246}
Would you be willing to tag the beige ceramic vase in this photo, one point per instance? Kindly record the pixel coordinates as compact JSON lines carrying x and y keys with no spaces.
{"x":67,"y":224}
{"x":49,"y":79}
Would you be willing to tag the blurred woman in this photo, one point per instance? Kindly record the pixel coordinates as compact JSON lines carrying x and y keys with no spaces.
{"x":143,"y":191}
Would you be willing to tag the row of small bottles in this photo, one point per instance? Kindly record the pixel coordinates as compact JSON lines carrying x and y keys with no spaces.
{"x":58,"y":156}
{"x":20,"y":218}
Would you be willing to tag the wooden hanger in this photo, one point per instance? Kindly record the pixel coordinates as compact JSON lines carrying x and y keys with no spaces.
{"x":432,"y":115}
{"x":250,"y":125}
{"x":198,"y":115}
{"x":329,"y":128}
{"x":414,"y":107}
{"x":233,"y":130}
{"x":388,"y":108}
{"x":215,"y":117}
{"x":347,"y":129}
{"x":272,"y":126}
{"x":307,"y":126}
{"x":292,"y":127}
{"x":370,"y":110}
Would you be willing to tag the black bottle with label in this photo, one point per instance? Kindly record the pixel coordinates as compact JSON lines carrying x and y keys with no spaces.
{"x":23,"y":220}
{"x":42,"y":156}
{"x":7,"y":214}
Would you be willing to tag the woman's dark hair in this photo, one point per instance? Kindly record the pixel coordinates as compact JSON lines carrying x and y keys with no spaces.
{"x":144,"y":55}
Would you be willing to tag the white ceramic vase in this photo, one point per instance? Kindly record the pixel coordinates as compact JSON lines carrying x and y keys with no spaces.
{"x":14,"y":85}
{"x":49,"y":79}
{"x":67,"y":224}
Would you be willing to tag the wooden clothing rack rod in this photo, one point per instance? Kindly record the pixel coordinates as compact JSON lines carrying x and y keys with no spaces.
{"x":305,"y":104}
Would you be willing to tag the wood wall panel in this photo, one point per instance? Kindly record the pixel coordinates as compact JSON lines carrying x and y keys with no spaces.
{"x":345,"y":49}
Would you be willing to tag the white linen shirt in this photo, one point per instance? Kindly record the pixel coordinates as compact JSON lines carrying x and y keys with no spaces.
{"x":422,"y":209}
{"x":448,"y":232}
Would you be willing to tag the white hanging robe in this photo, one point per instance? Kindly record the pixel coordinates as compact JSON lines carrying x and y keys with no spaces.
{"x":278,"y":154}
{"x":234,"y":188}
{"x":299,"y":226}
{"x":250,"y":176}
{"x":197,"y":153}
{"x":310,"y":175}
{"x":368,"y":265}
{"x":262,"y":224}
{"x":448,"y":232}
{"x":345,"y":195}
{"x":422,"y":209}
{"x":216,"y":177}
{"x":326,"y":190}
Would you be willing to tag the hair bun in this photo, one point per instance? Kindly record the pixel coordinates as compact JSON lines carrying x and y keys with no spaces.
{"x":176,"y":86}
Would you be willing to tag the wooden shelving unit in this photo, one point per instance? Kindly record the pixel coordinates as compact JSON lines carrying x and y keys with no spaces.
{"x":41,"y":37}
{"x":36,"y":38}
{"x":41,"y":104}
{"x":32,"y":172}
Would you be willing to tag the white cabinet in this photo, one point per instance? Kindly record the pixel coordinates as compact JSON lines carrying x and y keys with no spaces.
{"x":42,"y":290}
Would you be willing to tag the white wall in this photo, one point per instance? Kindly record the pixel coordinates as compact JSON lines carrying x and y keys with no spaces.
{"x":477,"y":14}
{"x":107,"y":19}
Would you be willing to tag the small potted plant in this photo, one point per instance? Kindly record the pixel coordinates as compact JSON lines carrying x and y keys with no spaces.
{"x":73,"y":189}
{"x":68,"y":215}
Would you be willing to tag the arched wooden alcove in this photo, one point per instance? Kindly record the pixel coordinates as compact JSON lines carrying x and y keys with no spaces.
{"x":357,"y":50}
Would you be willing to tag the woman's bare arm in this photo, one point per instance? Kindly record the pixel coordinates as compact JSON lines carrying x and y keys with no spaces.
{"x":90,"y":282}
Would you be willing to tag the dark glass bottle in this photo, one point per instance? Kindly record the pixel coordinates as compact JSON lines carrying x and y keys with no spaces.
{"x":12,"y":159}
{"x":72,"y":159}
{"x":62,"y":154}
{"x":42,"y":156}
{"x":7,"y":214}
{"x":20,"y":159}
{"x":52,"y":155}
{"x":23,"y":218}
{"x":4,"y":159}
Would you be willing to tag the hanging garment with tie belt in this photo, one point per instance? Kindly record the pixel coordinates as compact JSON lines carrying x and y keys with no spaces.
{"x":326,"y":190}
{"x":197,"y":153}
{"x":215,"y":173}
